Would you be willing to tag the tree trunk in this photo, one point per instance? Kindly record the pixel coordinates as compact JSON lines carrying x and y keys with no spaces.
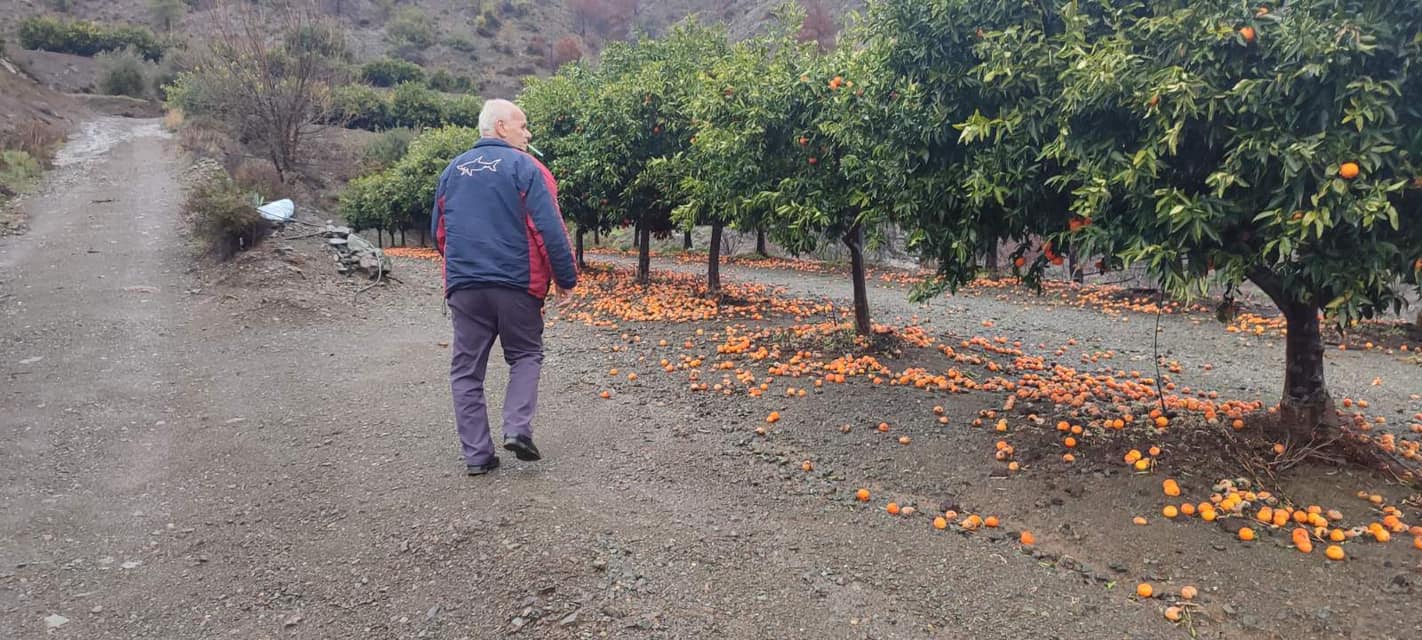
{"x":1074,"y":266}
{"x":597,"y":236}
{"x":402,"y":237}
{"x":760,"y":242}
{"x":990,"y":257}
{"x":1306,"y":408}
{"x":686,"y":240}
{"x":644,"y":255}
{"x":713,"y":261}
{"x":854,"y":240}
{"x":578,"y":242}
{"x":424,"y":238}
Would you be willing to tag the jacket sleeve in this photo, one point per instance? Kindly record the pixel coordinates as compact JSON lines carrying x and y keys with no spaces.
{"x":543,"y":208}
{"x":437,"y":213}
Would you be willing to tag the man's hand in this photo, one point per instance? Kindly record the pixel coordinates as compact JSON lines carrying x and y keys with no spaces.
{"x":562,"y":298}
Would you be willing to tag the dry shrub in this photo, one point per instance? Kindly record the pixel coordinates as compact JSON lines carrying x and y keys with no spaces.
{"x":260,"y":177}
{"x":37,"y":138}
{"x":202,"y":139}
{"x":173,"y":119}
{"x":222,"y":216}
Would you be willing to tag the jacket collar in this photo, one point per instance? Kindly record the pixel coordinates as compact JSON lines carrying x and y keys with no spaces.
{"x":492,"y":142}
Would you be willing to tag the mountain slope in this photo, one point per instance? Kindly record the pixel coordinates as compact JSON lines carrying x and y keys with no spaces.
{"x":494,"y":42}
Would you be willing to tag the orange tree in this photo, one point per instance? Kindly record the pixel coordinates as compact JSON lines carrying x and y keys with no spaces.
{"x":559,"y":109}
{"x":743,"y":144}
{"x":821,"y":193}
{"x":1218,"y":143}
{"x":914,"y":122}
{"x":638,"y":118}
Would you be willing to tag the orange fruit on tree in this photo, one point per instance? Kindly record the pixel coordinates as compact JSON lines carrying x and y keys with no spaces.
{"x":1248,"y":34}
{"x":1348,"y":170}
{"x":1144,"y":590}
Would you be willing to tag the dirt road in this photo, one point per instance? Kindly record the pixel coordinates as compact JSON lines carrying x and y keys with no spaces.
{"x":187,"y":457}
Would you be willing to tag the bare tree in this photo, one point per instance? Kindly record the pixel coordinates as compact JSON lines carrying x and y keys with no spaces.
{"x":819,"y":24}
{"x":567,"y":49}
{"x":271,"y":66}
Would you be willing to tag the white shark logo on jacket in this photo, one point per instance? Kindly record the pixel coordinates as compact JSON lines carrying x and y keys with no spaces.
{"x":479,"y":164}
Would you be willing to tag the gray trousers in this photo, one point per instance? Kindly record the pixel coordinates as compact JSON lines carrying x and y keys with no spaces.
{"x":480,"y":316}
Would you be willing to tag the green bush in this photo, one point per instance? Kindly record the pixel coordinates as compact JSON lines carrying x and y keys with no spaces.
{"x":360,"y":107}
{"x":325,"y":39}
{"x":460,"y":42}
{"x":414,"y":105}
{"x":400,"y":197}
{"x":447,"y":82}
{"x":389,"y":72}
{"x":384,"y":151}
{"x":411,"y":26}
{"x":409,"y":105}
{"x":463,"y":110}
{"x":123,"y":73}
{"x":86,"y":38}
{"x":222,"y":216}
{"x":18,"y":170}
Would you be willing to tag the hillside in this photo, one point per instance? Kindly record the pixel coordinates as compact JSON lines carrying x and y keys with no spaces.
{"x":495,"y":43}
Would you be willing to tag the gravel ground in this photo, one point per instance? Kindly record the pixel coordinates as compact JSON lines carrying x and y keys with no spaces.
{"x":195,"y":452}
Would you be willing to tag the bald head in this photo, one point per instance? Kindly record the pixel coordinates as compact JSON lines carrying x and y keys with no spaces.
{"x":504,"y":120}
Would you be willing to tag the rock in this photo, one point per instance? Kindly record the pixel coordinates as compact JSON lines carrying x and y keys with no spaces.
{"x":569,"y":620}
{"x":432,"y":613}
{"x":55,"y":621}
{"x":291,"y":620}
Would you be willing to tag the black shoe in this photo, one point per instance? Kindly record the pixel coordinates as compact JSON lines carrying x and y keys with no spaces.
{"x":481,"y":469}
{"x":523,"y":448}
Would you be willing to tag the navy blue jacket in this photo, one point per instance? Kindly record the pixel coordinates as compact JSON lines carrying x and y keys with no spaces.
{"x":496,"y":222}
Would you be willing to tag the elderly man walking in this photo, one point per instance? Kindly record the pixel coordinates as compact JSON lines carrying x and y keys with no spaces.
{"x":497,"y":224}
